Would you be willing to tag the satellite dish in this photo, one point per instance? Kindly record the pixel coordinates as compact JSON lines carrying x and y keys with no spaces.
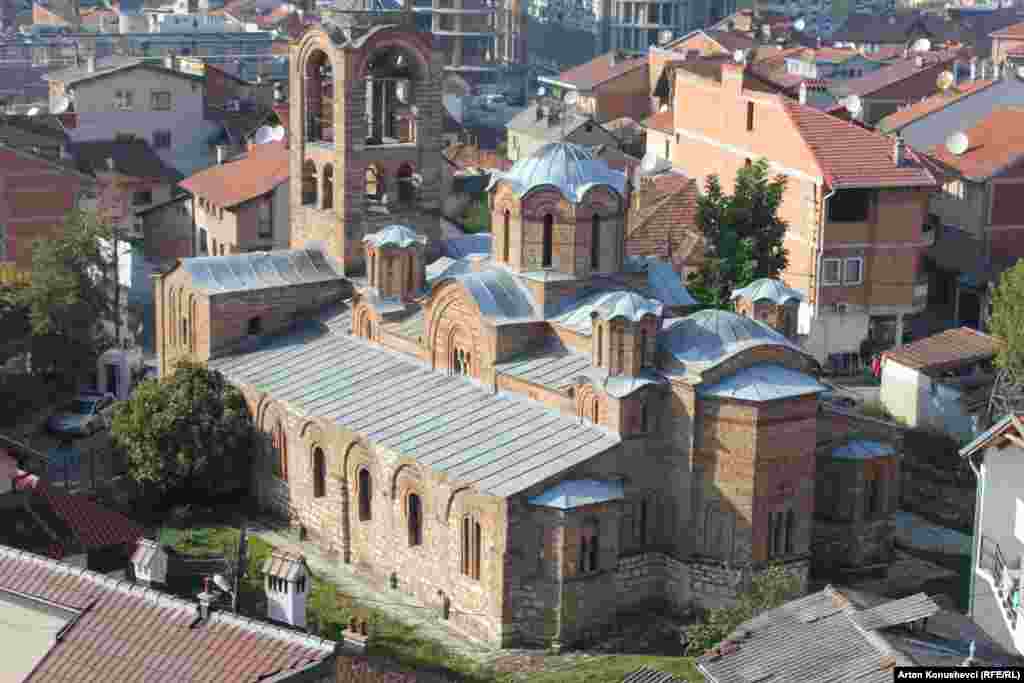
{"x":945,"y":80}
{"x":957,"y":143}
{"x":739,"y":56}
{"x":922,"y":45}
{"x":402,"y":92}
{"x":222,"y":583}
{"x":571,"y":98}
{"x":1020,"y":72}
{"x":33,"y":111}
{"x":542,"y":91}
{"x":263,"y":135}
{"x":277,"y":133}
{"x":61,"y":105}
{"x":799,"y":24}
{"x":853,"y":105}
{"x":664,"y":108}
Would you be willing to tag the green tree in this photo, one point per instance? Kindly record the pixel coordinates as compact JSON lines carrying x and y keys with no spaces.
{"x":14,"y":321}
{"x":190,"y":432}
{"x":1008,"y":321}
{"x":743,"y":233}
{"x":68,"y":298}
{"x":768,"y":590}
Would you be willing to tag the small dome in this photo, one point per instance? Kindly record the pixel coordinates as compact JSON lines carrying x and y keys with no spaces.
{"x":400,"y":236}
{"x":607,"y":306}
{"x":710,"y":336}
{"x":573,"y":169}
{"x":767,"y":289}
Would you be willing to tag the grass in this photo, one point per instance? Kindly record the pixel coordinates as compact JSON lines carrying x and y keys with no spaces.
{"x":477,"y":217}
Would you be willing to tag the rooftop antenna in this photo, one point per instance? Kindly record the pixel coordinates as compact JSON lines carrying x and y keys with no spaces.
{"x":957,"y":143}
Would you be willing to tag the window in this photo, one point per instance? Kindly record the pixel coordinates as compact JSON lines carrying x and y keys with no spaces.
{"x":365,"y":494}
{"x":142,"y":198}
{"x":279,"y":443}
{"x":589,"y":551}
{"x":414,"y":517}
{"x":214,"y":240}
{"x":643,"y":348}
{"x":790,"y":530}
{"x":123,"y":99}
{"x":600,"y":345}
{"x":595,"y":242}
{"x":319,"y":474}
{"x":471,"y":547}
{"x":870,"y":498}
{"x":160,"y":100}
{"x":830,"y":271}
{"x":265,"y":226}
{"x":668,"y":150}
{"x":202,"y":241}
{"x":640,"y":523}
{"x":595,"y":411}
{"x":161,"y":139}
{"x":849,"y":206}
{"x":254,"y":326}
{"x":308,"y":184}
{"x":411,"y":275}
{"x":328,"y":190}
{"x":222,"y":249}
{"x":953,"y":189}
{"x":549,"y":238}
{"x":853,"y":271}
{"x":645,"y":416}
{"x":776,"y":534}
{"x":750,"y":116}
{"x":747,"y":163}
{"x":506,"y":237}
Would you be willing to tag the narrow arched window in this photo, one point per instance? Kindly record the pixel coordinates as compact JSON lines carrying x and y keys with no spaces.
{"x":319,"y":474}
{"x":595,"y":243}
{"x":506,"y":238}
{"x":790,"y":530}
{"x":172,"y":315}
{"x":645,"y":417}
{"x":414,"y":517}
{"x":411,"y":282}
{"x":780,"y":530}
{"x":596,"y":411}
{"x":643,"y":348}
{"x":327,"y":196}
{"x":549,"y":240}
{"x":279,"y":442}
{"x":365,"y":494}
{"x":600,"y":345}
{"x":470,"y":547}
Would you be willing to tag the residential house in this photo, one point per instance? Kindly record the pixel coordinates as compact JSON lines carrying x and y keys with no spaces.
{"x":1008,"y":45}
{"x":878,"y":31}
{"x":996,"y":457}
{"x":663,"y":220}
{"x":976,"y":28}
{"x":977,"y":213}
{"x":242,"y":204}
{"x":168,"y":230}
{"x":120,"y":97}
{"x":156,"y":634}
{"x":550,"y":121}
{"x":607,"y":87}
{"x":855,"y":202}
{"x":829,"y":63}
{"x":130,"y":176}
{"x":930,"y":122}
{"x":941,"y":382}
{"x":840,"y":635}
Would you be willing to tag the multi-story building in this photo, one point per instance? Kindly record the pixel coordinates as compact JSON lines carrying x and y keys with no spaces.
{"x":607,"y":87}
{"x":856,"y":203}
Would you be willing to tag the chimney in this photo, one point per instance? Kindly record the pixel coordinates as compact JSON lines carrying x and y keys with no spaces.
{"x":169,"y":62}
{"x":897,"y":150}
{"x":613,"y":58}
{"x":221,"y":154}
{"x":803,"y":92}
{"x":206,"y":599}
{"x":111,"y":166}
{"x":732,"y":77}
{"x":90,"y":64}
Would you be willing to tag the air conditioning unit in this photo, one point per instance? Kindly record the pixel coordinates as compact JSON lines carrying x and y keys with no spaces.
{"x":840,"y":308}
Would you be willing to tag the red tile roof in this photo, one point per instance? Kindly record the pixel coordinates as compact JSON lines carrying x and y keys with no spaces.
{"x":1012,"y":31}
{"x":667,"y":215}
{"x":465,"y":156}
{"x":994,"y":143}
{"x":130,"y":634}
{"x":896,"y":72}
{"x":600,"y":70}
{"x":232,"y":183}
{"x":946,"y":351}
{"x":850,"y":156}
{"x":662,"y":121}
{"x":930,"y":105}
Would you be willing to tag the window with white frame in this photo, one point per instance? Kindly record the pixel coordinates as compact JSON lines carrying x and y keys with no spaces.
{"x":123,"y":99}
{"x":160,"y":100}
{"x":953,"y":189}
{"x":831,"y":271}
{"x":853,"y":271}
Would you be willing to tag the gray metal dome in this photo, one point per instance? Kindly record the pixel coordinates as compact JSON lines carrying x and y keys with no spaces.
{"x":573,"y":169}
{"x":768,"y":289}
{"x":401,"y":236}
{"x":711,"y":336}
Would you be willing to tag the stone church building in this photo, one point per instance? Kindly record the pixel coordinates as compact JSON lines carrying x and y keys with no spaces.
{"x":538,"y":436}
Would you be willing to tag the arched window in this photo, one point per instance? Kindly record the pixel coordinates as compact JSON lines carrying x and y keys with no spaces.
{"x":319,"y":474}
{"x":279,"y":443}
{"x":640,"y":530}
{"x":506,"y":237}
{"x":595,"y":243}
{"x":411,"y":272}
{"x":172,"y":315}
{"x":365,"y":494}
{"x":595,"y":411}
{"x":549,"y":240}
{"x":600,"y":345}
{"x":406,"y":188}
{"x":643,"y":348}
{"x":645,"y":416}
{"x":373,"y":269}
{"x":790,"y":530}
{"x":620,"y":355}
{"x":254,"y":326}
{"x":327,"y":197}
{"x":589,"y":550}
{"x":471,"y":547}
{"x":308,"y":183}
{"x":373,"y":183}
{"x":780,"y":530}
{"x":414,"y":517}
{"x":184,"y":332}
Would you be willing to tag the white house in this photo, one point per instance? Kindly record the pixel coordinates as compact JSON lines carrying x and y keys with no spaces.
{"x":940,"y":382}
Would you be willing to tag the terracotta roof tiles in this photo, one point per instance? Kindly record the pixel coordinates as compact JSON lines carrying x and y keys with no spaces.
{"x":896,"y":72}
{"x":600,"y":69}
{"x":946,"y":350}
{"x":851,"y":156}
{"x":668,"y":214}
{"x":226,"y":185}
{"x":994,"y":143}
{"x":930,"y":105}
{"x":661,"y":121}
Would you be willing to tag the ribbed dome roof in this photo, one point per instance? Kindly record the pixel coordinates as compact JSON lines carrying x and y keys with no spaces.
{"x":571,"y":168}
{"x":400,"y":236}
{"x":768,"y":289}
{"x":608,"y":306}
{"x":710,"y":336}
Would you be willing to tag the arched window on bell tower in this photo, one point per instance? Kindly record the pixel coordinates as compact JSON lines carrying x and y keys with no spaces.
{"x":549,"y":241}
{"x":595,"y":243}
{"x":506,"y":237}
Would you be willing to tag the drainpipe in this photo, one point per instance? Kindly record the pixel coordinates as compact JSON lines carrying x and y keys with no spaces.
{"x":821,"y":251}
{"x":979,"y":475}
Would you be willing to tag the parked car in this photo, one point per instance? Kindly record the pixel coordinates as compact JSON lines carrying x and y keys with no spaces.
{"x":86,"y":414}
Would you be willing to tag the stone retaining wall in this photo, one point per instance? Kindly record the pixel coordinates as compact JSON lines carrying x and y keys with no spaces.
{"x":945,"y":496}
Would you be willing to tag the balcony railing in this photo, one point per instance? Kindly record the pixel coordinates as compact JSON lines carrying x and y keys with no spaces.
{"x":1006,"y":580}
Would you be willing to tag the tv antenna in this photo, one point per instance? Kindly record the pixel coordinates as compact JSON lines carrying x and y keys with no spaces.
{"x":957,"y":143}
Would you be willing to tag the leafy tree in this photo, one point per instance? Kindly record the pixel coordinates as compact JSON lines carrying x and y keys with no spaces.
{"x":743,"y":233}
{"x":1008,"y":321}
{"x":14,"y":321}
{"x":68,"y":297}
{"x":190,"y":432}
{"x":768,"y":590}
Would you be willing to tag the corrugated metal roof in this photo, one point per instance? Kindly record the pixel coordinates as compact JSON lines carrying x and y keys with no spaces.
{"x":411,"y":327}
{"x":863,"y":449}
{"x":468,"y":245}
{"x":575,"y":493}
{"x":708,"y":337}
{"x":573,"y":169}
{"x":664,"y":283}
{"x":446,"y":267}
{"x":499,"y":443}
{"x":767,"y":289}
{"x":763,"y":382}
{"x":499,"y":295}
{"x":607,"y":306}
{"x":648,"y":675}
{"x":903,"y":611}
{"x":553,"y":366}
{"x":259,"y":270}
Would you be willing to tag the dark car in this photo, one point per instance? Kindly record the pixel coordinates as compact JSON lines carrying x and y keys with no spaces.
{"x":84,"y":415}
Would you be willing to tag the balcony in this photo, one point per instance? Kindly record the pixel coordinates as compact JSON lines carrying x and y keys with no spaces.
{"x":1005,"y":581}
{"x":920,"y":293}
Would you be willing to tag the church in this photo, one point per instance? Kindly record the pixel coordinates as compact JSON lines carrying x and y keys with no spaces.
{"x":540,"y":435}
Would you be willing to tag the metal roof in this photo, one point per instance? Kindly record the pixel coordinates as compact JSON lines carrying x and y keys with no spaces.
{"x":499,"y":295}
{"x":708,"y":337}
{"x":553,"y":366}
{"x":575,"y":493}
{"x":648,"y":675}
{"x":411,"y":326}
{"x":607,"y":306}
{"x":468,"y":245}
{"x":903,"y":611}
{"x":763,"y":382}
{"x":259,"y":270}
{"x":573,"y":169}
{"x":446,"y":267}
{"x":863,"y":449}
{"x":663,"y":282}
{"x":767,"y":289}
{"x":401,"y":236}
{"x":500,"y":443}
